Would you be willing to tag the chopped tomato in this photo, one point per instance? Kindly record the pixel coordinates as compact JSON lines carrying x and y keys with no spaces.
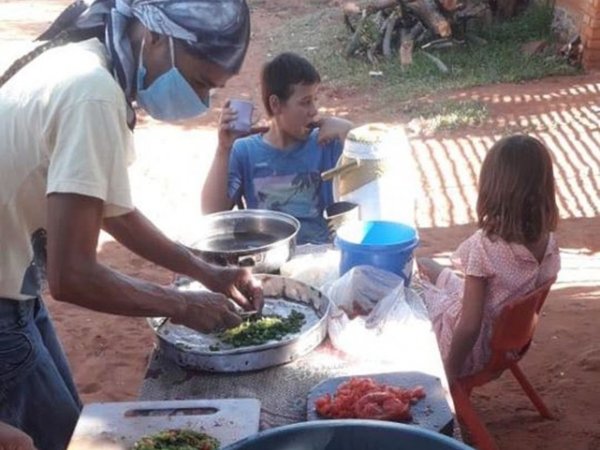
{"x":363,"y":398}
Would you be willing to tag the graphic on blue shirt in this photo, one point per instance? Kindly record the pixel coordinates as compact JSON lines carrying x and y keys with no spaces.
{"x":297,"y":195}
{"x":285,"y":180}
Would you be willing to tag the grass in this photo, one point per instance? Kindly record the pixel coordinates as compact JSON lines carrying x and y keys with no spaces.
{"x":321,"y":37}
{"x":447,"y":115}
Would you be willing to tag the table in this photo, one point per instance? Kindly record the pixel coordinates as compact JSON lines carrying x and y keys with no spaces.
{"x":283,"y":389}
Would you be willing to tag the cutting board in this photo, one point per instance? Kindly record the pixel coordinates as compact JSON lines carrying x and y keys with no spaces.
{"x":117,"y":426}
{"x":431,"y":412}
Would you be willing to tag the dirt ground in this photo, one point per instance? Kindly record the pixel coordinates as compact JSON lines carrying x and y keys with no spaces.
{"x":109,"y":354}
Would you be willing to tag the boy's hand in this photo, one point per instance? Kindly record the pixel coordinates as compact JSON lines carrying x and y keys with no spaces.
{"x":226,"y":132}
{"x":331,"y":128}
{"x":227,"y":135}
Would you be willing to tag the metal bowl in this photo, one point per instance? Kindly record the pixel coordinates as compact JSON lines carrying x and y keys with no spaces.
{"x":348,"y":434}
{"x":260,"y":239}
{"x":194,"y":350}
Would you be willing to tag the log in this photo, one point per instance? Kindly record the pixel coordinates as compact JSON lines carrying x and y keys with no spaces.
{"x":406,"y":48}
{"x":438,"y":62}
{"x":378,"y":5}
{"x":427,"y":11}
{"x":387,"y":37}
{"x":354,"y":43}
{"x":353,"y":9}
{"x":450,"y":5}
{"x":407,"y":43}
{"x":372,"y":50}
{"x":351,"y":12}
{"x":505,"y":9}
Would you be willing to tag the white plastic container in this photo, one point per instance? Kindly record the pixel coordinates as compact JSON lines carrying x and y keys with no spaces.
{"x":376,"y":171}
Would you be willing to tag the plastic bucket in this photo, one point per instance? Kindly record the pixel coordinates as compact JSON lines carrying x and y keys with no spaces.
{"x":385,"y":245}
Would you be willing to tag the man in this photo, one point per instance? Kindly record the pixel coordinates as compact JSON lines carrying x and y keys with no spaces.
{"x":65,"y":143}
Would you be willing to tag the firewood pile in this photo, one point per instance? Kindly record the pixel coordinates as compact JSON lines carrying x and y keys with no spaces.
{"x":385,"y":28}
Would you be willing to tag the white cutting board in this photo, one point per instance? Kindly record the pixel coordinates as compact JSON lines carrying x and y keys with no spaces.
{"x":117,"y":426}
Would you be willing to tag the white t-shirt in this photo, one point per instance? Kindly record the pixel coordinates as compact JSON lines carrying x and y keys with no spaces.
{"x":63,"y":128}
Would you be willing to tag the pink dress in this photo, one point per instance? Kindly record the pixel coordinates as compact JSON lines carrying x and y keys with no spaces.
{"x":511,"y":271}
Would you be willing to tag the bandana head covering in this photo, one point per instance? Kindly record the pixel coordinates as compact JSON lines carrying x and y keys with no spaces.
{"x":215,"y":30}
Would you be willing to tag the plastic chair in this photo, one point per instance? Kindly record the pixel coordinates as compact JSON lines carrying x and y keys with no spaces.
{"x":511,"y":338}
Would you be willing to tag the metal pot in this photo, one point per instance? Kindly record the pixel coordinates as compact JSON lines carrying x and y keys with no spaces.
{"x":347,"y":434}
{"x":260,"y":239}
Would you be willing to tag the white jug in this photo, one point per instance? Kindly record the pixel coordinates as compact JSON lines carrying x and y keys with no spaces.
{"x":376,"y":171}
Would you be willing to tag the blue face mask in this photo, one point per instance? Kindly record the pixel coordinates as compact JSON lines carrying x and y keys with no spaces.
{"x":170,"y":97}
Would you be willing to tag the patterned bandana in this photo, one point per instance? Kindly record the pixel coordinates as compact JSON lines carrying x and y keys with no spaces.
{"x":216,"y":30}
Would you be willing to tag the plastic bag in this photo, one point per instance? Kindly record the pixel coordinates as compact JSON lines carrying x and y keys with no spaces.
{"x":360,"y":289}
{"x":314,"y":265}
{"x":372,"y":313}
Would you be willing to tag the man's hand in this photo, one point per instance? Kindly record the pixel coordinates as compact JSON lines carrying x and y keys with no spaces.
{"x":239,"y":285}
{"x":207,"y":312}
{"x":331,"y":128}
{"x":12,"y":438}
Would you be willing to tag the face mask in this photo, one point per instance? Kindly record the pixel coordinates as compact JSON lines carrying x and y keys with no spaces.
{"x":170,"y":97}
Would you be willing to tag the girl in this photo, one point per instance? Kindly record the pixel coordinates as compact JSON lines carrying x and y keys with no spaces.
{"x":513,"y":252}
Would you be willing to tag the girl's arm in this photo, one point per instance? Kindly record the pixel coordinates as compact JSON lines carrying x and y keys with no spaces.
{"x":469,"y":325}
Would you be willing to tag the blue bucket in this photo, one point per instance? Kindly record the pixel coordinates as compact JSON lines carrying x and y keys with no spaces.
{"x":385,"y":245}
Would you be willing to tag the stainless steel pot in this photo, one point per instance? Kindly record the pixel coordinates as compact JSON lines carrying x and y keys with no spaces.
{"x":344,"y":434}
{"x":260,"y":239}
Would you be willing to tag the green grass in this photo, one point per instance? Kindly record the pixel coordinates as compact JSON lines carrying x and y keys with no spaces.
{"x":447,"y":115}
{"x":321,"y":37}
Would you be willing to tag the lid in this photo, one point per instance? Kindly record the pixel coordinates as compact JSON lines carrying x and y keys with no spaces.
{"x":375,"y":141}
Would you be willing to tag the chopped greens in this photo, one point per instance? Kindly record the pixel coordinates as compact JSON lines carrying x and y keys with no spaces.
{"x":256,"y":331}
{"x":177,"y":440}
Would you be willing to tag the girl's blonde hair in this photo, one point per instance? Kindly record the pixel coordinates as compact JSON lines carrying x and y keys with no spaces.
{"x":517,"y":199}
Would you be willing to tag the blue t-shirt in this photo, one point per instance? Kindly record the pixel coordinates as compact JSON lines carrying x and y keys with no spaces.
{"x":285,"y":180}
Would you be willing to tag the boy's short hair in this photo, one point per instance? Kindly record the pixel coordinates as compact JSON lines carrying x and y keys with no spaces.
{"x":280,"y":74}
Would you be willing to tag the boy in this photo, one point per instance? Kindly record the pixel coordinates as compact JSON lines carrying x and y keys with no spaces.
{"x":281,"y":169}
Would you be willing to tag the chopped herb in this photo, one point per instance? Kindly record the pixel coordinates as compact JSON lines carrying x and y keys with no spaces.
{"x":256,"y":331}
{"x":177,"y":440}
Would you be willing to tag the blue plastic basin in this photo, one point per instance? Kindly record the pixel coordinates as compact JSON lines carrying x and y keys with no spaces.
{"x":386,"y":245}
{"x":348,"y":434}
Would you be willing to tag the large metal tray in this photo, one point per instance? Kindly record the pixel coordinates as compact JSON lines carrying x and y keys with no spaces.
{"x":192,"y":350}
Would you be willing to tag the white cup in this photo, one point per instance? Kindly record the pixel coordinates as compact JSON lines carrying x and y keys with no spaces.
{"x":244,"y":109}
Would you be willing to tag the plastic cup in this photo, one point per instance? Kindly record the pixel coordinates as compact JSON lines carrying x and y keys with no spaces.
{"x":244,"y":109}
